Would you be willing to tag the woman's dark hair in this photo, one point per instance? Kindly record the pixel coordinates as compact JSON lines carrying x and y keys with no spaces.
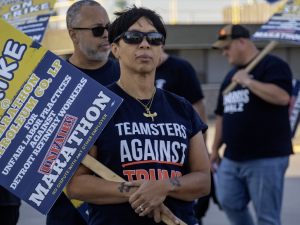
{"x":128,"y":17}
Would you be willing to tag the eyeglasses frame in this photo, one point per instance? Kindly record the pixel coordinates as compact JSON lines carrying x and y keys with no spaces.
{"x":144,"y":35}
{"x":92,"y":28}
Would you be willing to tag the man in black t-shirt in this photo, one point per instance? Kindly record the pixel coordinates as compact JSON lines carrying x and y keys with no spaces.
{"x":253,"y":122}
{"x":179,"y":77}
{"x":9,"y":207}
{"x":87,"y":23}
{"x":176,"y":75}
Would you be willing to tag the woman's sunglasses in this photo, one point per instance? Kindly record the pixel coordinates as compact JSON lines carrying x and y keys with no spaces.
{"x":136,"y":37}
{"x":97,"y":31}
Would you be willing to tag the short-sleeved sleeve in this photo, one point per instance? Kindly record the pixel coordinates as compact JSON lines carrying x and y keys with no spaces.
{"x":190,"y":85}
{"x":197,"y":123}
{"x":219,"y":108}
{"x":179,"y":77}
{"x":277,"y":72}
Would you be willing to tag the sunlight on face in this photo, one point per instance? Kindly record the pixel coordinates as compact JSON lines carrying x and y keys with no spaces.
{"x":91,"y":51}
{"x":142,"y":57}
{"x":232,"y":52}
{"x":94,"y":48}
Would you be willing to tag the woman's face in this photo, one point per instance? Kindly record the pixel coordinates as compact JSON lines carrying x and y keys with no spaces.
{"x":138,"y":58}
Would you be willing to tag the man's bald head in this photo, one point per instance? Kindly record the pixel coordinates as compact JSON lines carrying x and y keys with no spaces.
{"x":74,"y":15}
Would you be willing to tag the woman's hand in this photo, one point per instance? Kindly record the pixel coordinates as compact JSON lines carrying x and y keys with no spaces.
{"x":149,"y":195}
{"x":156,"y":213}
{"x":148,"y":199}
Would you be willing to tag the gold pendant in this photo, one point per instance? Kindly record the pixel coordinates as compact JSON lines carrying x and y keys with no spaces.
{"x":149,"y":114}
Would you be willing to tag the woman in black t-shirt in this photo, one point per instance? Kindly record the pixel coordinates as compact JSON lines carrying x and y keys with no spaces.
{"x":154,"y":140}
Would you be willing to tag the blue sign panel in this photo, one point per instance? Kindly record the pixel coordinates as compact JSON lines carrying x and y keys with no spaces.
{"x":51,"y":115}
{"x":31,"y":16}
{"x":294,"y":109}
{"x":284,"y":26}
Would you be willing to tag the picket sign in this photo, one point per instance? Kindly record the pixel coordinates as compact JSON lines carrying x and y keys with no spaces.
{"x":44,"y":105}
{"x":282,"y":27}
{"x":31,"y":16}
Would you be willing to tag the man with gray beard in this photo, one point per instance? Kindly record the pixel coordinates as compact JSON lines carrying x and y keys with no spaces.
{"x":87,"y":23}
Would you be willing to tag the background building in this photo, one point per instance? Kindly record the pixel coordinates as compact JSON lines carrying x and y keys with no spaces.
{"x":192,"y":26}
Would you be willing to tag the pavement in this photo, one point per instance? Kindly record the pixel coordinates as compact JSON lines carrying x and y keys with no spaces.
{"x":291,"y":197}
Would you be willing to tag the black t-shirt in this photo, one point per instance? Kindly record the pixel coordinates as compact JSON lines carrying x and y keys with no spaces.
{"x":105,"y":75}
{"x":135,"y":147}
{"x":63,"y":212}
{"x":253,"y":128}
{"x":7,"y":198}
{"x":177,"y":76}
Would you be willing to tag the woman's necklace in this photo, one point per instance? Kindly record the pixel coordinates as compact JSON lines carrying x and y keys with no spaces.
{"x":148,"y":114}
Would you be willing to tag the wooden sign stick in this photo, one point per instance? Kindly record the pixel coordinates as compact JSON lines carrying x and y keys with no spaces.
{"x":248,"y":69}
{"x":107,"y":174}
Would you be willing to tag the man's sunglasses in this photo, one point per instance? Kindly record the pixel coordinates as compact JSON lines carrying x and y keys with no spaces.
{"x":136,"y":37}
{"x":97,"y":31}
